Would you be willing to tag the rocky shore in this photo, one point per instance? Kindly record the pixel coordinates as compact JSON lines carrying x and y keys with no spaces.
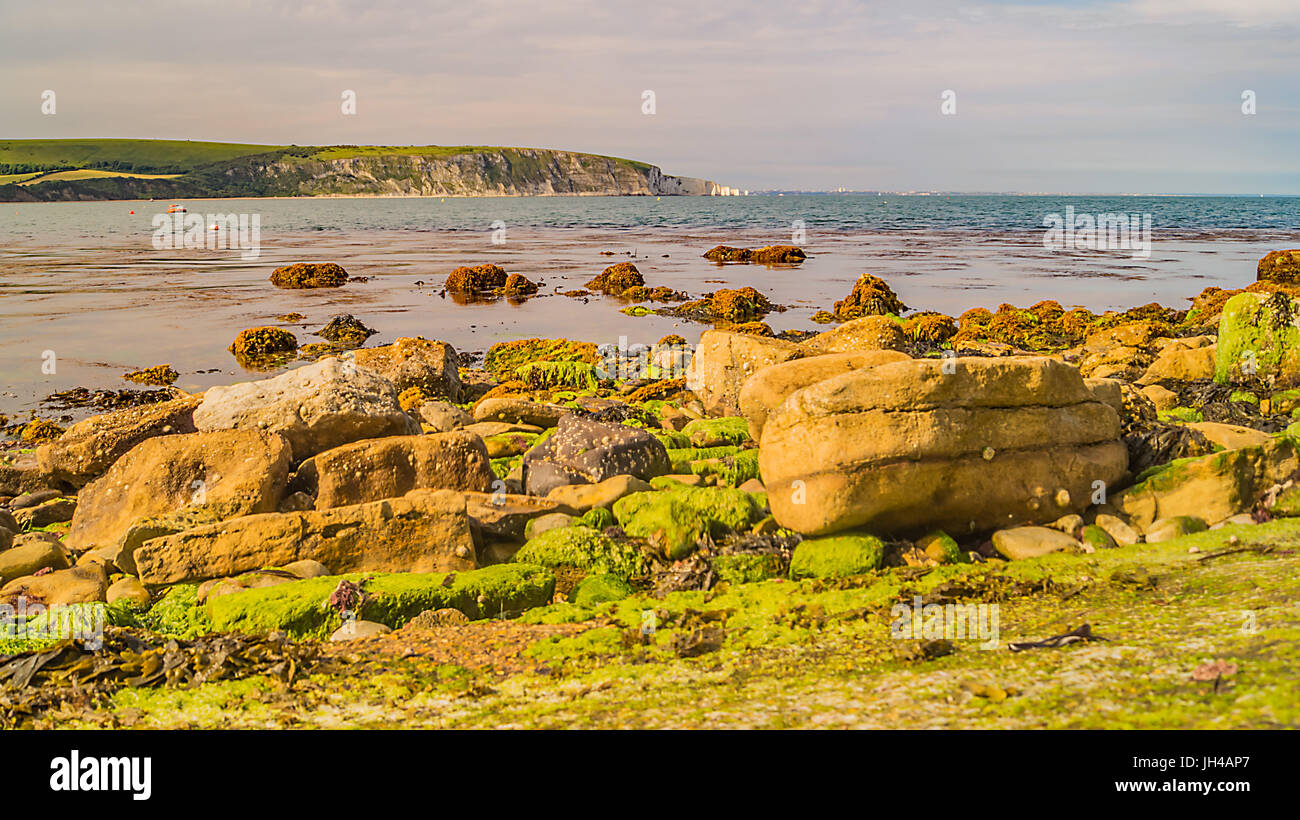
{"x":562,"y":507}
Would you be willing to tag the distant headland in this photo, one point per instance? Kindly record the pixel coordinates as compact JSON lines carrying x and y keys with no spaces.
{"x":104,"y":169}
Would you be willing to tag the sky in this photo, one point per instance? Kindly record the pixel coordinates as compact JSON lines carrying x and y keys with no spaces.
{"x":1130,"y":96}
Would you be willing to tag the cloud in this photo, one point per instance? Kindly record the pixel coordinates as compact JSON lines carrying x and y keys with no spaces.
{"x":758,"y":94}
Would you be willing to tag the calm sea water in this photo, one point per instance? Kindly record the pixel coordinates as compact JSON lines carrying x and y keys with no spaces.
{"x":84,"y":280}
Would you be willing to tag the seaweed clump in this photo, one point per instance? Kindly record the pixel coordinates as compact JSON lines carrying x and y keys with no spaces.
{"x":480,"y":278}
{"x":160,"y":375}
{"x":870,"y":297}
{"x":616,"y":279}
{"x":262,"y":345}
{"x":309,"y":275}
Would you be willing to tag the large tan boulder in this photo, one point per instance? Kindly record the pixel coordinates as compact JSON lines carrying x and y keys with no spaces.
{"x":1213,"y":487}
{"x":228,"y":472}
{"x":430,"y":366}
{"x":424,"y":531}
{"x":88,"y":448}
{"x":965,"y":445}
{"x":316,"y":408}
{"x":767,"y":388}
{"x":724,"y":360}
{"x":378,"y":468}
{"x":867,"y":333}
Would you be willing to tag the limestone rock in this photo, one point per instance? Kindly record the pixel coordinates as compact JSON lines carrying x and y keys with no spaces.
{"x":724,"y":360}
{"x":433,"y":367}
{"x":906,"y":447}
{"x":88,"y":448}
{"x":867,"y":333}
{"x":443,"y":417}
{"x":1212,"y":487}
{"x":377,"y":468}
{"x":230,"y":472}
{"x":425,"y":531}
{"x":765,"y":390}
{"x":519,"y":411}
{"x":583,"y":497}
{"x":352,"y":630}
{"x":1177,"y":363}
{"x":316,"y":408}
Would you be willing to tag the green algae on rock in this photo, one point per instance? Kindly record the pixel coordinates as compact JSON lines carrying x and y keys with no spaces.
{"x":676,"y":520}
{"x":722,"y":432}
{"x":837,"y":556}
{"x":747,"y":567}
{"x":300,"y":607}
{"x":544,"y":375}
{"x":1259,"y":339}
{"x":504,"y":358}
{"x":584,"y":549}
{"x":597,"y":589}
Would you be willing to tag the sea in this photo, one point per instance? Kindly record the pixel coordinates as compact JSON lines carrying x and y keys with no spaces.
{"x":91,"y":290}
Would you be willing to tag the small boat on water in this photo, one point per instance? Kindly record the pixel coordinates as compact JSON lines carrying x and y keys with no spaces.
{"x":176,"y":209}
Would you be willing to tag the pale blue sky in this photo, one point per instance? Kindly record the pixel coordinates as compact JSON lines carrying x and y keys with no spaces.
{"x":1141,"y":96}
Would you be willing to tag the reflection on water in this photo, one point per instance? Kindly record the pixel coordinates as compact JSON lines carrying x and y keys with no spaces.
{"x":83,"y":280}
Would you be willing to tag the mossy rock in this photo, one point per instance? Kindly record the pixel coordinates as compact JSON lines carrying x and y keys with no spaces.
{"x":1259,"y":339}
{"x":680,"y":458}
{"x":943,"y":548}
{"x":747,"y":568}
{"x":299,"y":607}
{"x":1287,"y":503}
{"x":502,"y":467}
{"x":836,"y":556}
{"x":676,"y":520}
{"x":597,"y":589}
{"x":1097,"y":538}
{"x":585,"y":549}
{"x":732,"y":470}
{"x":671,"y":439}
{"x":721,"y":432}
